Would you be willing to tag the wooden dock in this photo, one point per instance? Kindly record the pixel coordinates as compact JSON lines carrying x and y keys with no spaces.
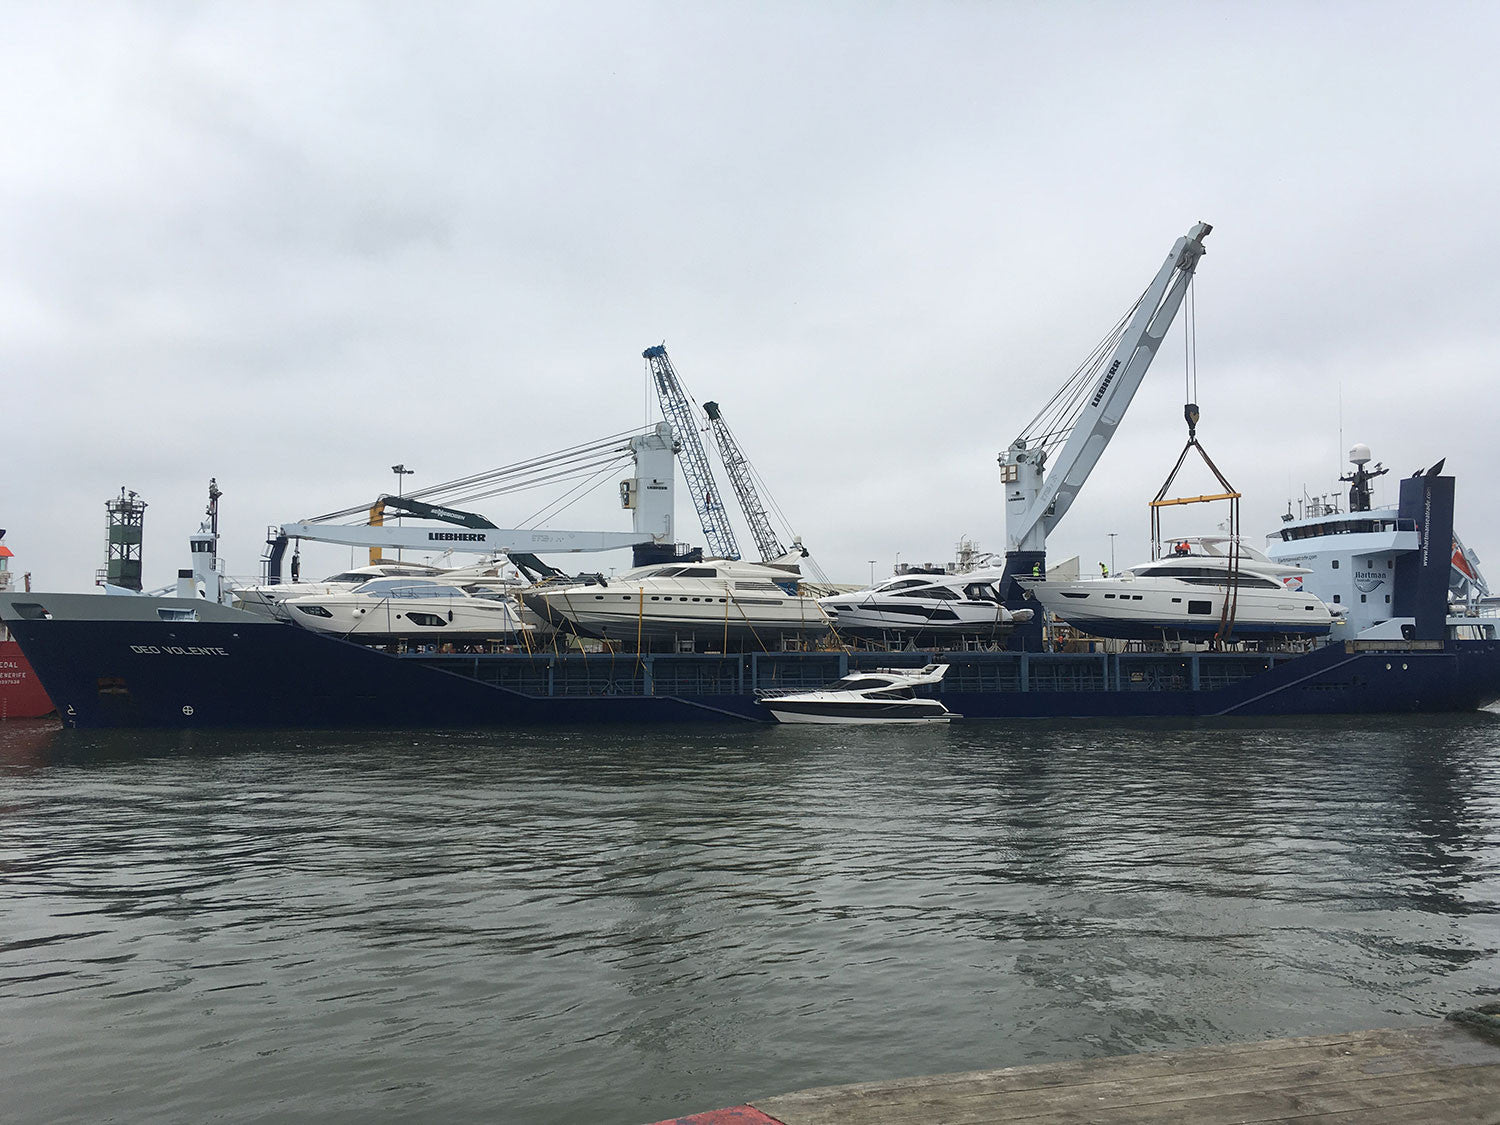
{"x":1443,"y":1074}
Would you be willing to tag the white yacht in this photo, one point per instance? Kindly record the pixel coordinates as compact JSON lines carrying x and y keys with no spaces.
{"x":268,"y":600}
{"x":1181,"y":596}
{"x":717,"y":600}
{"x":932,"y":605}
{"x":885,"y":695}
{"x":411,"y":609}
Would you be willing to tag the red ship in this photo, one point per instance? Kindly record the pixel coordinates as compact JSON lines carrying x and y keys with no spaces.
{"x":21,"y":694}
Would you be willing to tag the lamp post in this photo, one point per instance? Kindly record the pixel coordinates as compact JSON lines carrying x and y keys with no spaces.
{"x":402,"y":472}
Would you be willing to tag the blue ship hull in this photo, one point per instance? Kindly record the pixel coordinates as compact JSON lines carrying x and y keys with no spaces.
{"x":238,"y":670}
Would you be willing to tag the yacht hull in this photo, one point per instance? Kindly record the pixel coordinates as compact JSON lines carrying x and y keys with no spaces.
{"x":1154,"y":610}
{"x":617,"y":616}
{"x":812,"y":710}
{"x":433,"y":621}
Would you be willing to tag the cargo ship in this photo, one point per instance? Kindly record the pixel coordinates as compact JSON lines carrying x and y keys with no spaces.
{"x":190,"y":661}
{"x":185,"y":662}
{"x":21,"y":693}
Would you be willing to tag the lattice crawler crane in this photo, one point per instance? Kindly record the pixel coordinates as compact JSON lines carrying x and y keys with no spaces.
{"x":677,"y":408}
{"x":742,"y":480}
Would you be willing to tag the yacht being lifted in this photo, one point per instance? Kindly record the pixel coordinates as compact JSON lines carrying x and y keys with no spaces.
{"x":1180,"y":597}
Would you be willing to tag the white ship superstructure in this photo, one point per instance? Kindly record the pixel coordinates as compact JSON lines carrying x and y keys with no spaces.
{"x":1352,"y":558}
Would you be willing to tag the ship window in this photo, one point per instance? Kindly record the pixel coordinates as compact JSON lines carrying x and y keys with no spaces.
{"x":1369,"y":564}
{"x":1389,"y":564}
{"x":1387,"y":599}
{"x":699,"y":572}
{"x":1337,"y":599}
{"x":31,"y":611}
{"x":1072,"y":594}
{"x":313,"y":611}
{"x":1363,"y":598}
{"x":1200,"y":607}
{"x":902,"y":584}
{"x":625,"y":597}
{"x":893,"y":693}
{"x":654,"y":598}
{"x":1335,"y":564}
{"x":857,"y":683}
{"x":1178,"y":601}
{"x":934,"y":593}
{"x":431,"y":620}
{"x":1109,"y":595}
{"x":598,"y":597}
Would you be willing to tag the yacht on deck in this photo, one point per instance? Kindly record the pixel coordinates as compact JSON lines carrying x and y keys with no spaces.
{"x":925,"y":605}
{"x":716,"y":600}
{"x":411,"y":609}
{"x":268,"y":600}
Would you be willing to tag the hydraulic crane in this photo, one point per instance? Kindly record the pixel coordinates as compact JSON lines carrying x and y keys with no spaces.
{"x":740,"y":478}
{"x":1082,"y":419}
{"x":647,"y":495}
{"x":677,"y":408}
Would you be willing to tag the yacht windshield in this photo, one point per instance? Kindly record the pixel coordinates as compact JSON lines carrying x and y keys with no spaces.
{"x":407,"y":588}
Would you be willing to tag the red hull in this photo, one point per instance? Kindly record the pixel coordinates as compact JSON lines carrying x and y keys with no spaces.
{"x":21,"y":694}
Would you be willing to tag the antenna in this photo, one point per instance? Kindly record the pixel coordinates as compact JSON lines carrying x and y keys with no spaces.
{"x":1341,"y":427}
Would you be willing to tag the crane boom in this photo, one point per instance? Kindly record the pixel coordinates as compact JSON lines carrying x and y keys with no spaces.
{"x":647,"y":495}
{"x":743,"y":483}
{"x":1033,"y":506}
{"x":1035,"y":498}
{"x":677,"y":408}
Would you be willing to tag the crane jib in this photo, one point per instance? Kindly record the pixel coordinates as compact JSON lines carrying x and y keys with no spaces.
{"x":1104,"y":385}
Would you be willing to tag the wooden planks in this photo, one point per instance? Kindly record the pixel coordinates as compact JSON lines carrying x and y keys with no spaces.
{"x":1394,"y":1076}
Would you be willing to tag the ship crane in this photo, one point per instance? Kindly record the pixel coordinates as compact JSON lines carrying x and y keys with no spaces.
{"x":742,"y":479}
{"x":647,"y":494}
{"x":677,"y":408}
{"x":1079,"y":421}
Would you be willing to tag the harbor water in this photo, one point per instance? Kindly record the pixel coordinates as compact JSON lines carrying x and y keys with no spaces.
{"x":609,"y":925}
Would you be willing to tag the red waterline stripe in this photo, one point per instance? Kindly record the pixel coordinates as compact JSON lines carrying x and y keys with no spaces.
{"x":736,"y":1115}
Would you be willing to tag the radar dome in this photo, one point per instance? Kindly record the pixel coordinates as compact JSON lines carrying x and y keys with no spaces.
{"x":1360,"y":454}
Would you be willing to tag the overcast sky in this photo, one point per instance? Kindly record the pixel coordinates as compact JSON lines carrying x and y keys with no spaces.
{"x":290,"y":245}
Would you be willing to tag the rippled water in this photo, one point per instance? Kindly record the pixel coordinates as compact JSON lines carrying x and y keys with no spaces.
{"x":596,"y":926}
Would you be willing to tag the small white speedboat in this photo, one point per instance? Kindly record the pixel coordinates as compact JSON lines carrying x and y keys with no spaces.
{"x":884,"y":695}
